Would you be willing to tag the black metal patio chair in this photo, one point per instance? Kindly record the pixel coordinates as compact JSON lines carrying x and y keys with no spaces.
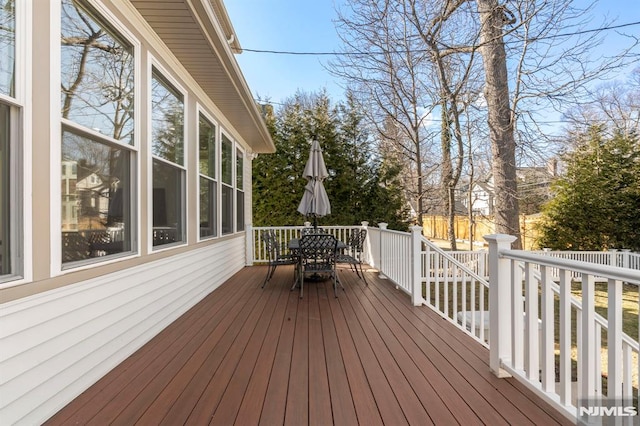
{"x":318,"y":256}
{"x":354,"y":257}
{"x":275,"y":256}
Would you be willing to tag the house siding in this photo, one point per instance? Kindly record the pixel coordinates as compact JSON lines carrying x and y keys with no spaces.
{"x":62,"y":327}
{"x":58,"y":343}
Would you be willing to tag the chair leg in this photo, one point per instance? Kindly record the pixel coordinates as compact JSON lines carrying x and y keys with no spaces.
{"x":268,"y":277}
{"x":354,"y":268}
{"x":301,"y":285}
{"x":272,"y":271}
{"x":362,"y":274}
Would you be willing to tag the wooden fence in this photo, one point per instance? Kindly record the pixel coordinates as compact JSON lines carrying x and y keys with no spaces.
{"x":436,"y":227}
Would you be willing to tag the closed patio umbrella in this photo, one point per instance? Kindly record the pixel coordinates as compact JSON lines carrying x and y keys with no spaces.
{"x":315,"y":201}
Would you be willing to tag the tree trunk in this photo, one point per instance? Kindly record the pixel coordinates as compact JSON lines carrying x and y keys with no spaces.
{"x":496,"y":93}
{"x":447,"y":175}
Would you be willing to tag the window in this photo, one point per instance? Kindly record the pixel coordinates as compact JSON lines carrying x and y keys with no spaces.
{"x":7,"y":47}
{"x":6,"y":175}
{"x":239,"y":191}
{"x":227,"y":185}
{"x":11,"y":235}
{"x":167,"y":133}
{"x":208,"y":184}
{"x":98,"y":157}
{"x":97,"y":74}
{"x":96,"y":198}
{"x":232,"y":166}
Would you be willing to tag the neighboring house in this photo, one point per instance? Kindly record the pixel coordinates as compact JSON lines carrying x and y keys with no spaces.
{"x":482,"y":197}
{"x":125,"y":183}
{"x":533,"y":190}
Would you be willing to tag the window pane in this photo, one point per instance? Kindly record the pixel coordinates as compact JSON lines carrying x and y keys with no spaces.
{"x":207,"y":157}
{"x":208,"y":217}
{"x":96,"y":198}
{"x":167,"y":130}
{"x":5,"y":178}
{"x":97,"y":73}
{"x":240,"y":211}
{"x":7,"y":47}
{"x":227,"y":210}
{"x":239,"y":168}
{"x":227,"y":160}
{"x":167,"y":203}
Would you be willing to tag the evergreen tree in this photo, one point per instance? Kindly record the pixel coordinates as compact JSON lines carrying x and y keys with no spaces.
{"x":358,"y":186}
{"x":597,"y":203}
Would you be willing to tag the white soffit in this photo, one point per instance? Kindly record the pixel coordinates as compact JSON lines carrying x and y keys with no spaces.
{"x":200,"y":35}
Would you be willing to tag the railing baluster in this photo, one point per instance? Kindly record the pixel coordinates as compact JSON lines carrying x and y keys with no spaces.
{"x":463,"y":294}
{"x":588,"y":367}
{"x":531,"y":324}
{"x":517,"y":303}
{"x":548,"y":347}
{"x":437,"y":284}
{"x":473,"y":314}
{"x":614,"y":341}
{"x":446,"y":286}
{"x":455,"y":292}
{"x":597,"y":348}
{"x":627,"y":386}
{"x":565,"y":337}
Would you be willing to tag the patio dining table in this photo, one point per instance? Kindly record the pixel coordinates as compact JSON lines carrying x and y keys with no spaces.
{"x":294,"y":248}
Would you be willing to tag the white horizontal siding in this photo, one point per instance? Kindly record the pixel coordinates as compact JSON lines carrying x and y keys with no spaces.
{"x":56,"y":344}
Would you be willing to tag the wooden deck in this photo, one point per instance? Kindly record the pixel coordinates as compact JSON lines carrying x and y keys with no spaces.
{"x":250,"y":356}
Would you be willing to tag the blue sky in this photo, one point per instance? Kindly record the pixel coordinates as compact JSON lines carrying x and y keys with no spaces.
{"x":292,"y":25}
{"x":307,"y":26}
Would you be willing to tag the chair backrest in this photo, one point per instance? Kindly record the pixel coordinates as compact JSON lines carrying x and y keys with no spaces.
{"x":271,"y":244}
{"x":309,"y":231}
{"x":356,"y":241}
{"x":318,"y":248}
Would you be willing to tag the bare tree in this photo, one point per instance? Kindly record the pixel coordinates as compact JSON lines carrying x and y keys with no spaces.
{"x":496,"y":93}
{"x":406,"y":82}
{"x":388,"y":70}
{"x":616,"y":104}
{"x":438,"y":24}
{"x":536,"y":55}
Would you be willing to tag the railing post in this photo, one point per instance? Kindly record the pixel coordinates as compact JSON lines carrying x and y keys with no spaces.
{"x":383,"y":227}
{"x":249,"y":245}
{"x":613,"y":257}
{"x":481,"y":264}
{"x":500,"y":310}
{"x":416,"y":266}
{"x":625,"y":258}
{"x":366,"y":245}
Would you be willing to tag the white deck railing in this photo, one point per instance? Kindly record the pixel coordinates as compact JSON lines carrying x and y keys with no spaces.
{"x":256,"y":249}
{"x":558,"y":350}
{"x":539,"y":327}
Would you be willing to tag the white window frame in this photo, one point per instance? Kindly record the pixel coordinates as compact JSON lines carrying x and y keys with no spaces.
{"x":21,"y":151}
{"x":56,"y":142}
{"x":227,"y":134}
{"x":168,"y":76}
{"x":216,"y":178}
{"x":243,"y":154}
{"x":235,"y":147}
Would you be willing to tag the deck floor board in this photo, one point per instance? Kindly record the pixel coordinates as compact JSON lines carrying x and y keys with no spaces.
{"x":247,"y":356}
